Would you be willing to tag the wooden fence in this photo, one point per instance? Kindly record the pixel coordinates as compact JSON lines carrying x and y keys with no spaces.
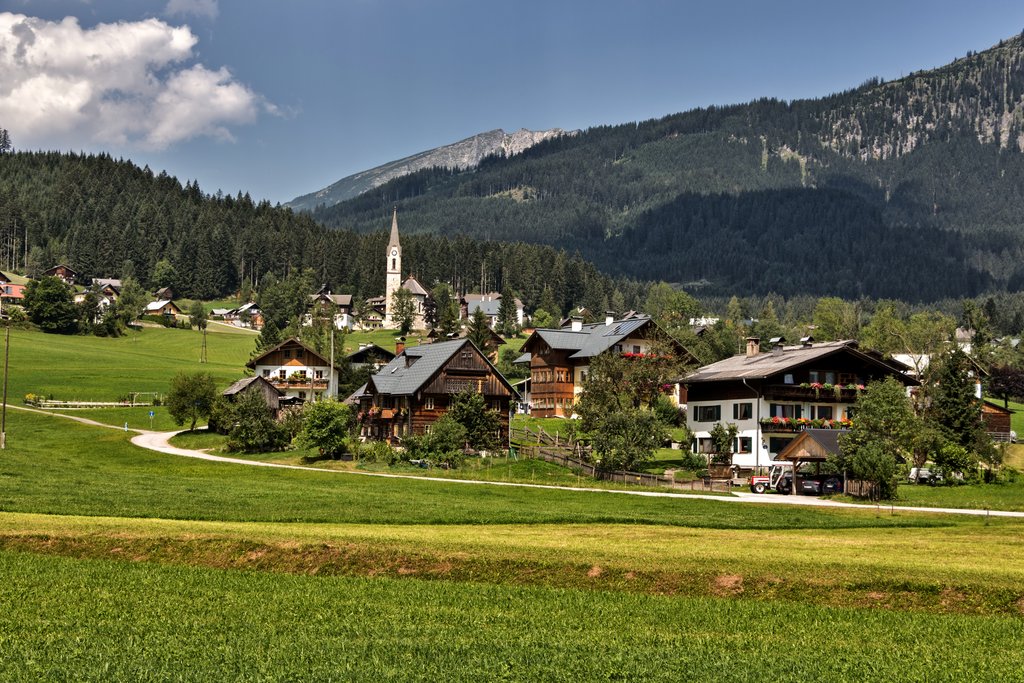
{"x":862,"y":489}
{"x":565,"y":455}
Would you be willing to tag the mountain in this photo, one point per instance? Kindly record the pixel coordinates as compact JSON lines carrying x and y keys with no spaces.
{"x":459,"y":155}
{"x":910,"y":189}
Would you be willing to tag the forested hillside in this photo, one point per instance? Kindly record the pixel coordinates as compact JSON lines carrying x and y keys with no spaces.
{"x":911,"y":189}
{"x":110,"y":218}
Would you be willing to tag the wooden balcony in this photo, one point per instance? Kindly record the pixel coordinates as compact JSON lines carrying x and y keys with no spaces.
{"x":787,"y":425}
{"x":812,"y":394}
{"x":299,"y":385}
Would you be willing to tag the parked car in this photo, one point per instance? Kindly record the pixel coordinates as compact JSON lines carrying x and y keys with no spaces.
{"x":923,"y":475}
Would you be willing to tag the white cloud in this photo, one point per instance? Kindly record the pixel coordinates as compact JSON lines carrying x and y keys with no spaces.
{"x":129,"y":83}
{"x":199,"y":8}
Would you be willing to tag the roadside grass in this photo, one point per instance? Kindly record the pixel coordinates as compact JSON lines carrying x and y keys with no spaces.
{"x":68,"y":468}
{"x":138,"y":621}
{"x":1003,"y":495}
{"x":200,"y":439}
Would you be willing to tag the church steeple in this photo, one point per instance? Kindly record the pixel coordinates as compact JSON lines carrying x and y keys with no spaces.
{"x":393,"y":242}
{"x":393,"y":269}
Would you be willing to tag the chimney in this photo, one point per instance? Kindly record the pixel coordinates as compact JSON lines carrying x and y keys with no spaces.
{"x":577,"y":323}
{"x":753,"y":346}
{"x":807,"y":341}
{"x":777,"y":343}
{"x":609,"y":318}
{"x":399,"y":345}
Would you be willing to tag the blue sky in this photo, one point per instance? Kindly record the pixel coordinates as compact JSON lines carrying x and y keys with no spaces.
{"x":282,"y":98}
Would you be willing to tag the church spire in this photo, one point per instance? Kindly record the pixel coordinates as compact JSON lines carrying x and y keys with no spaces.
{"x":394,"y":231}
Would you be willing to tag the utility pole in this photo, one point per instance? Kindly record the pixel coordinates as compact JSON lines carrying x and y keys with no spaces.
{"x":3,"y":414}
{"x":330,"y":370}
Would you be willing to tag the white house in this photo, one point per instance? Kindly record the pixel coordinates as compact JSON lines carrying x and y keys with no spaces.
{"x":297,"y":371}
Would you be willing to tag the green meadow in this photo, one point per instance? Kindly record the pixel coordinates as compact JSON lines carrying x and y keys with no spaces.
{"x":125,"y":564}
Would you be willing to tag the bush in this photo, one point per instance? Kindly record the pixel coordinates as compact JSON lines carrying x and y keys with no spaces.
{"x":252,"y":428}
{"x":326,"y":425}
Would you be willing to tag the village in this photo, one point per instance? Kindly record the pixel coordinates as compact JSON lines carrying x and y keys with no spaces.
{"x":774,"y":418}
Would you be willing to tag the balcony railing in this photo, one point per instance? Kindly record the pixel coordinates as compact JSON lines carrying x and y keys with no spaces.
{"x":298,"y":384}
{"x":825,"y":393}
{"x":788,"y":425}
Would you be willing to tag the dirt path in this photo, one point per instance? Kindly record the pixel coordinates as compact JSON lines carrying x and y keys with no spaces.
{"x":160,"y":442}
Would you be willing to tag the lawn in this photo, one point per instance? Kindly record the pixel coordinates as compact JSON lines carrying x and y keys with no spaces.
{"x":66,"y":468}
{"x":137,"y":621}
{"x":108,"y":369}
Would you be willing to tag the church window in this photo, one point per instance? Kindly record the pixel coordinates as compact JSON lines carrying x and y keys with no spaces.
{"x":392,"y":264}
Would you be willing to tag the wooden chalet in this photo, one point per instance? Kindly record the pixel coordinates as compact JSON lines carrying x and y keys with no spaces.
{"x":271,"y":394}
{"x":773,"y":396}
{"x":109,"y":287}
{"x":997,"y":421}
{"x":297,"y":371}
{"x":62,"y":272}
{"x":415,"y":389}
{"x":559,"y":359}
{"x":370,"y":354}
{"x":164,"y":293}
{"x":340,"y":305}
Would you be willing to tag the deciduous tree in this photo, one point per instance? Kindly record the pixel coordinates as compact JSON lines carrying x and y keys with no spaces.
{"x":191,"y":397}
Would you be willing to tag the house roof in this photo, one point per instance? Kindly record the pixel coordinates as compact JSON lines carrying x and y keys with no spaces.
{"x":826,"y":439}
{"x":490,"y":308}
{"x":362,"y":355}
{"x":157,"y":305}
{"x":764,"y":365}
{"x":402,"y":378}
{"x":293,"y":341}
{"x":107,"y":282}
{"x":241,"y":385}
{"x":592,"y":340}
{"x":414,"y":287}
{"x":58,"y":267}
{"x":340,"y":300}
{"x":353,"y":398}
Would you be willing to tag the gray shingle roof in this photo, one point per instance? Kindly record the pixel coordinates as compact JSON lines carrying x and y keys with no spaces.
{"x":593,"y":339}
{"x":396,"y":378}
{"x":771,"y":363}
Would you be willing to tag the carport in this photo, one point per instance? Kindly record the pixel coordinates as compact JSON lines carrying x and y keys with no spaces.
{"x":813,"y":445}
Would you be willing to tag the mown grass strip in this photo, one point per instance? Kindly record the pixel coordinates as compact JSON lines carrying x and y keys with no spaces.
{"x":971,"y":569}
{"x":65,"y":619}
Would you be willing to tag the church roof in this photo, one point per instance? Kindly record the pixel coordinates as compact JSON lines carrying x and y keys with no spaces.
{"x":414,"y":287}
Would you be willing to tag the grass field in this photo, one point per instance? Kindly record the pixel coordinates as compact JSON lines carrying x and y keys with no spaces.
{"x":128,"y":621}
{"x":124,"y":564}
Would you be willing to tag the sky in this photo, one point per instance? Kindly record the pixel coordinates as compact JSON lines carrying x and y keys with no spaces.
{"x":283,"y":98}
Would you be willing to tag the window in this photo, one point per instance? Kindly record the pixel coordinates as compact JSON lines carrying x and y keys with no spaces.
{"x":281,"y":374}
{"x":744,"y":444}
{"x":787,"y":379}
{"x":319,"y":374}
{"x":776,"y":444}
{"x":742,"y":411}
{"x":302,"y":394}
{"x":786,"y":410}
{"x":849,"y":413}
{"x":636,"y":348}
{"x":266,"y":372}
{"x":298,"y":353}
{"x":287,"y":353}
{"x":703,"y":445}
{"x":709,"y":413}
{"x":821,"y":412}
{"x":428,"y":403}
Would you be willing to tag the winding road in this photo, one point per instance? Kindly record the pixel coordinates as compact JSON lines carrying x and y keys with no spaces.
{"x":160,"y":443}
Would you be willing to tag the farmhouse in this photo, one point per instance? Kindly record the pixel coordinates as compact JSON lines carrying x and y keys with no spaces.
{"x":490,"y":304}
{"x":164,"y":307}
{"x":559,"y":359}
{"x":297,"y":371}
{"x":415,"y":389}
{"x":62,"y":272}
{"x":340,"y":305}
{"x":772,"y":397}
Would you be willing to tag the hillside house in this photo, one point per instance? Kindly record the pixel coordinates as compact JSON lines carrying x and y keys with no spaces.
{"x":109,"y":287}
{"x":773,"y":396}
{"x":490,"y":304}
{"x":297,"y":371}
{"x":415,"y":389}
{"x":62,"y":272}
{"x":163,"y":307}
{"x":340,"y":305}
{"x":12,"y":288}
{"x":560,"y":358}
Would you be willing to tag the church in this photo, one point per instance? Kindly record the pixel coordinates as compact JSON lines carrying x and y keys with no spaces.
{"x":394,"y":282}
